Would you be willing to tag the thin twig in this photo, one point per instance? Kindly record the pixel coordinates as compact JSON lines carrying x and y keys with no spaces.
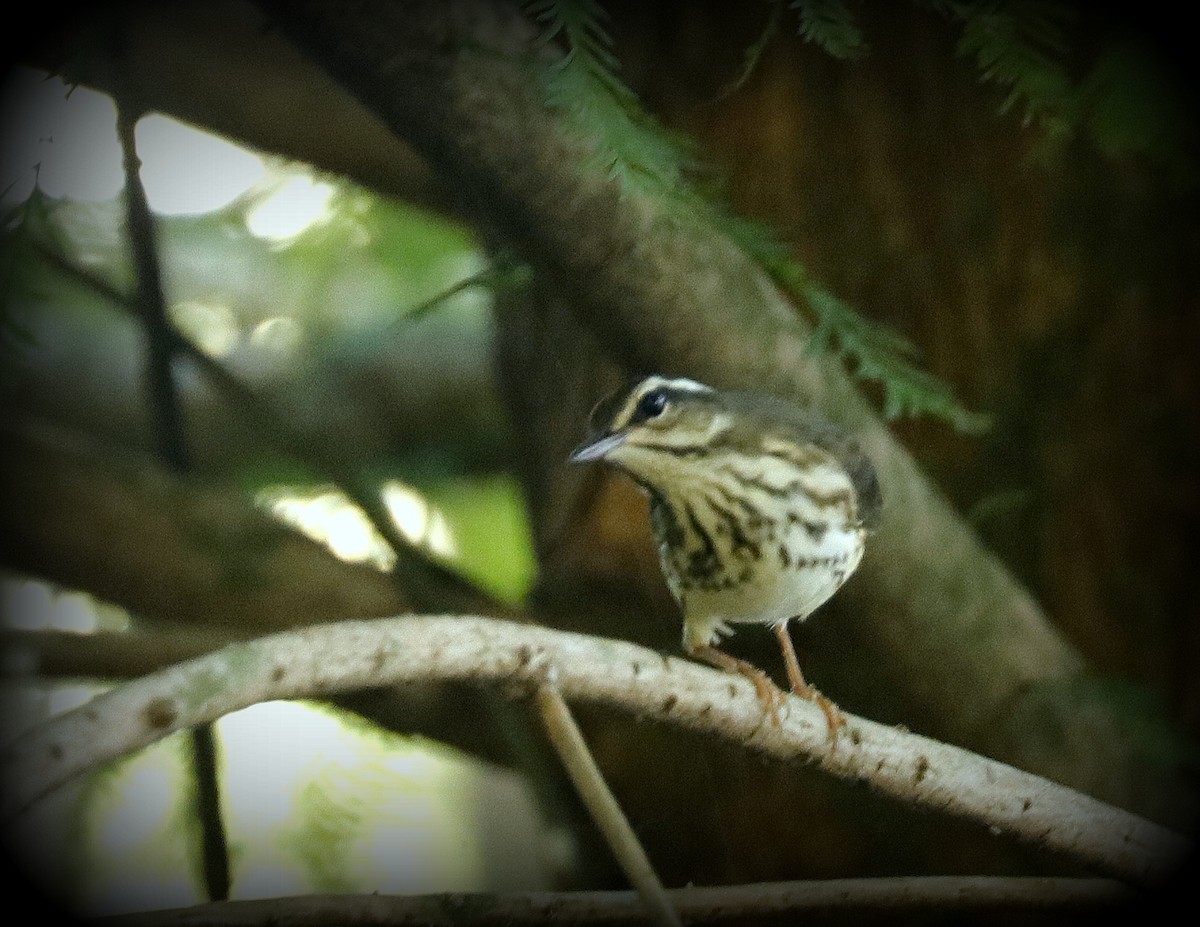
{"x":320,"y":660}
{"x":573,"y":750}
{"x":714,"y":905}
{"x":483,"y":278}
{"x":169,"y":429}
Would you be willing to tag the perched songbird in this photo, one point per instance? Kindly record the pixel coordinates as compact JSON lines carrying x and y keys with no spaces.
{"x":760,"y":509}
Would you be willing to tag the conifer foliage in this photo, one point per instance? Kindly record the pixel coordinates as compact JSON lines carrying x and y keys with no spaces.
{"x":631,"y":148}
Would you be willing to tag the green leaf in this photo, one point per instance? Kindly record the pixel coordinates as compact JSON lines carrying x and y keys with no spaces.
{"x":1020,"y":47}
{"x":870,"y":351}
{"x":583,"y":85}
{"x":829,"y":24}
{"x":876,"y":353}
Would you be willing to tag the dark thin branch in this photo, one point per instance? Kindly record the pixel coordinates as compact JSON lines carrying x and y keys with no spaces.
{"x":169,"y":428}
{"x":484,"y":278}
{"x":716,"y":905}
{"x":151,"y":304}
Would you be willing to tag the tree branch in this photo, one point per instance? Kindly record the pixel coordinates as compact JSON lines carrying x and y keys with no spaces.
{"x":321,"y":660}
{"x":85,"y":377}
{"x":717,"y":905}
{"x":589,"y":782}
{"x":419,"y":574}
{"x":163,"y":400}
{"x":93,"y":520}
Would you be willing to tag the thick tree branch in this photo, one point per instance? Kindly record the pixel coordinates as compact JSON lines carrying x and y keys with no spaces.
{"x":321,"y":660}
{"x":718,"y":905}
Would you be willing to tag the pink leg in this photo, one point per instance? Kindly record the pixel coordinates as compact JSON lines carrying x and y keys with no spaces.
{"x":768,"y":693}
{"x":833,"y":714}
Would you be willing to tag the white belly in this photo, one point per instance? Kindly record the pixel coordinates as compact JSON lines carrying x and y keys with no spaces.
{"x":773,"y":593}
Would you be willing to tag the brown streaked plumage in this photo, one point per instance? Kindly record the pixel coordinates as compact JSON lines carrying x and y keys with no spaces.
{"x":760,"y":508}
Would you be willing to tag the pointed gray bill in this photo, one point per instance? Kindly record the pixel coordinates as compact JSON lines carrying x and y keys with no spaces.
{"x":597,"y":449}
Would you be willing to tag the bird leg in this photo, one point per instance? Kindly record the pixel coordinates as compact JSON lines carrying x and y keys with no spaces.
{"x":833,"y":714}
{"x":769,"y":694}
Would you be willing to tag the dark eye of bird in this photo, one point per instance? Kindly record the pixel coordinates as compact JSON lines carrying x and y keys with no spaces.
{"x":652,"y":404}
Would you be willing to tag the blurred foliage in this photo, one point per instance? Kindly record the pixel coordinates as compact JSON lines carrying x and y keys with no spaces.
{"x":831,"y":25}
{"x":870,"y":351}
{"x":489,"y":522}
{"x":328,"y":823}
{"x":335,"y":295}
{"x":636,"y":151}
{"x":583,"y":85}
{"x":756,"y":49}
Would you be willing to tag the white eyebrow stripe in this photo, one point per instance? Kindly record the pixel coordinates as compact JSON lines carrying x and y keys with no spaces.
{"x":653,"y":382}
{"x":683,"y":383}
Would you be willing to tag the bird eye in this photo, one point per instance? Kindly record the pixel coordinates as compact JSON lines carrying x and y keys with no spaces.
{"x":652,"y":404}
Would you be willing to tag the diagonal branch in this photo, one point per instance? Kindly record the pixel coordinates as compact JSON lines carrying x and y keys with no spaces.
{"x":572,"y":749}
{"x":171,"y":435}
{"x":88,"y":518}
{"x":324,"y":659}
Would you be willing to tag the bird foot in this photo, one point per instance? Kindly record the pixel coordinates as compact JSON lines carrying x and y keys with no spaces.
{"x":833,"y":715}
{"x":770,"y":695}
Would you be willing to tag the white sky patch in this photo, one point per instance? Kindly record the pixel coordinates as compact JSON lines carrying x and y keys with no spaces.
{"x":280,"y":335}
{"x":187,"y":171}
{"x":297,"y":205}
{"x":328,"y":516}
{"x":64,"y":139}
{"x":213,"y":327}
{"x":30,"y":605}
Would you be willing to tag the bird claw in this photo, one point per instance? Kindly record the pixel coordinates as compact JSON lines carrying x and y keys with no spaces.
{"x":774,"y":698}
{"x":833,"y":715}
{"x":770,"y":695}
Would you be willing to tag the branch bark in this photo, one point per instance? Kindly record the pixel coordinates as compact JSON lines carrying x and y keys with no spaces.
{"x":321,"y":660}
{"x":718,"y":905}
{"x":589,"y":782}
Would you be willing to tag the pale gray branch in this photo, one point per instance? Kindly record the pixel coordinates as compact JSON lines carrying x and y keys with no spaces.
{"x":696,"y":905}
{"x":589,"y":782}
{"x":320,"y":660}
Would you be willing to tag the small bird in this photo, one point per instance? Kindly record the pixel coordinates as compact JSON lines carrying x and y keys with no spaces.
{"x":760,"y":508}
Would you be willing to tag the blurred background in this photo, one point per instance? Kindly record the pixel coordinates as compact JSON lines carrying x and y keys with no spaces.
{"x":1042,"y":253}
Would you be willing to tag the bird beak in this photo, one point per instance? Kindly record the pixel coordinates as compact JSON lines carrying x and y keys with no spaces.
{"x":597,"y":449}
